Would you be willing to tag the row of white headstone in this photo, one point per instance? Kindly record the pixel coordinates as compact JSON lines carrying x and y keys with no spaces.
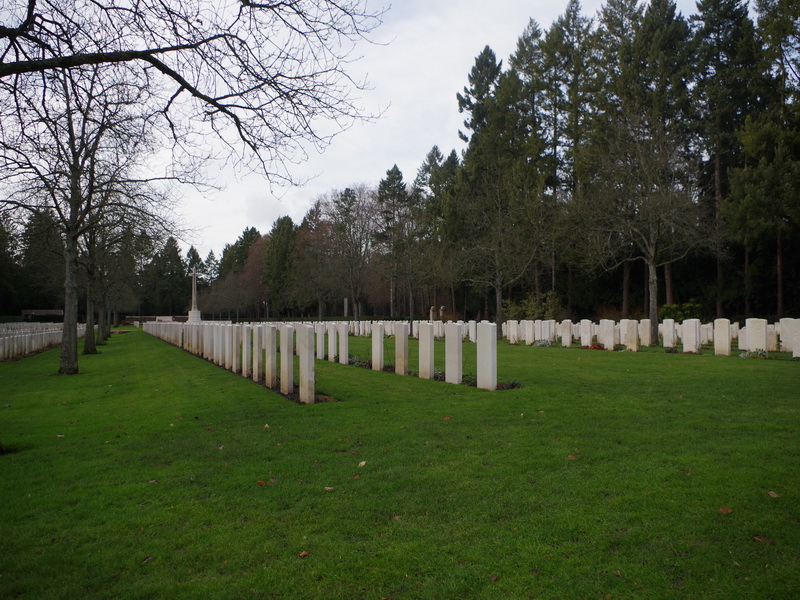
{"x":252,"y":349}
{"x":21,"y":339}
{"x":757,"y":334}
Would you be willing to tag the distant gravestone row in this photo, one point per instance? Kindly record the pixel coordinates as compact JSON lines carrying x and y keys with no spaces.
{"x":21,"y":339}
{"x":758,"y":335}
{"x":265,"y":351}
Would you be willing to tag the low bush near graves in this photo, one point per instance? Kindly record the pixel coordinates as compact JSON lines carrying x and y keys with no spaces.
{"x":154,"y":474}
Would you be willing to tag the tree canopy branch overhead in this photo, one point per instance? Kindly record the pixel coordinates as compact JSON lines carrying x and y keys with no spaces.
{"x":266,"y":78}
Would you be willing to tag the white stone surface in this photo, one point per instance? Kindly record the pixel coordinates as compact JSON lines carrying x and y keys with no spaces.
{"x":454,"y":335}
{"x":426,"y":350}
{"x":487,"y":355}
{"x":722,"y":337}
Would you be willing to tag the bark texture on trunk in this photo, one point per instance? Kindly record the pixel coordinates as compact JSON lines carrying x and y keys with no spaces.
{"x":68,"y":362}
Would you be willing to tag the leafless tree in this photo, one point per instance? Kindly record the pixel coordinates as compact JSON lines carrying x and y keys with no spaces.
{"x":641,"y":206}
{"x":353,"y":217}
{"x":73,"y":141}
{"x":266,"y":78}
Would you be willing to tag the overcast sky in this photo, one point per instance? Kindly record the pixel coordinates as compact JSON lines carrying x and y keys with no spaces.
{"x":425,"y":51}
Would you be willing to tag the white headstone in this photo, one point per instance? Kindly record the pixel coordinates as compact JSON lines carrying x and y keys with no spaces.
{"x":566,"y":333}
{"x":586,"y":332}
{"x":690,"y":330}
{"x":668,"y":333}
{"x":454,"y":336}
{"x":790,"y":329}
{"x":487,"y":355}
{"x":645,"y":334}
{"x":757,"y":335}
{"x":426,"y":350}
{"x":722,"y":337}
{"x":606,"y":334}
{"x":305,"y":347}
{"x":344,"y":344}
{"x":377,"y":346}
{"x":631,"y":335}
{"x":258,"y":353}
{"x":247,"y":348}
{"x":401,"y":348}
{"x":287,"y":359}
{"x":331,"y":327}
{"x":270,"y":355}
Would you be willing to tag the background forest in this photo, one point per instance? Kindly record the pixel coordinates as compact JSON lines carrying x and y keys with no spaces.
{"x":617,"y":166}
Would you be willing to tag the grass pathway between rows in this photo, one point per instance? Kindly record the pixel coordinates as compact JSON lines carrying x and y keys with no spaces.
{"x":153,"y":475}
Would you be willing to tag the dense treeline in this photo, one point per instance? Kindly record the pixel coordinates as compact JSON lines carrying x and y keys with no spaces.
{"x":612,"y":166}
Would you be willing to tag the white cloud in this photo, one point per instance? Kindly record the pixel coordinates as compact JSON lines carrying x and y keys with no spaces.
{"x":424,"y":52}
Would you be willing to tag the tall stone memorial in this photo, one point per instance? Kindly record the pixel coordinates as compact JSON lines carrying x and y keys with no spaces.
{"x":195,"y":316}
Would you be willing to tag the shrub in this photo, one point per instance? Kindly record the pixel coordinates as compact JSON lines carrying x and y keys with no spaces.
{"x":545,"y":306}
{"x":680,"y":312}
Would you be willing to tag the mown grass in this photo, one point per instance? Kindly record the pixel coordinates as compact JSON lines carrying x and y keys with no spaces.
{"x":602,"y":477}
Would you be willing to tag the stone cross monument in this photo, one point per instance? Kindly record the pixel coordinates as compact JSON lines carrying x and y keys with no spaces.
{"x":194,"y":314}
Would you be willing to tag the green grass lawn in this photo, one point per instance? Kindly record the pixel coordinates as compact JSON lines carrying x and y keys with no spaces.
{"x":153,"y":474}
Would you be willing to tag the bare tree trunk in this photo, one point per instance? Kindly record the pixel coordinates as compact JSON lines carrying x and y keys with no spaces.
{"x":626,"y":289}
{"x":569,"y":290}
{"x":103,"y":328}
{"x":68,"y":362}
{"x":779,"y":272}
{"x":652,"y":281}
{"x":747,"y":281}
{"x":89,"y":342}
{"x":391,"y":297}
{"x":498,"y":306}
{"x":718,"y":229}
{"x":670,"y":298}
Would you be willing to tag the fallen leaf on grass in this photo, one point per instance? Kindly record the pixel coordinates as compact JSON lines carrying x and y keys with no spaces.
{"x":260,"y":482}
{"x":273,"y":479}
{"x":725,"y":510}
{"x":397,"y":517}
{"x":773,"y":495}
{"x":266,"y":426}
{"x":617,"y":573}
{"x":356,"y":476}
{"x":571,"y":456}
{"x":303,"y":554}
{"x":147,"y":560}
{"x":59,"y":435}
{"x":764,"y":540}
{"x":362,"y":463}
{"x":329,"y":489}
{"x":153,"y":481}
{"x":447,"y":418}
